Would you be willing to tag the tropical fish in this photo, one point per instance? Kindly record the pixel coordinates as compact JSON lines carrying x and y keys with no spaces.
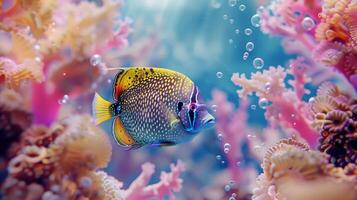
{"x":153,"y":106}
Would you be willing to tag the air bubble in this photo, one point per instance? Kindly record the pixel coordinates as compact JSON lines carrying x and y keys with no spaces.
{"x":263,"y":103}
{"x":230,"y":41}
{"x":37,"y":47}
{"x":267,"y":86}
{"x":308,"y":23}
{"x":242,"y":7}
{"x":311,"y":100}
{"x":231,"y":21}
{"x":251,"y":136}
{"x":237,"y":31}
{"x":227,"y":146}
{"x":248,"y":31}
{"x":38,"y":59}
{"x":95,"y":60}
{"x":219,"y":74}
{"x":227,"y":188}
{"x":64,"y":99}
{"x":238,"y":163}
{"x":225,"y":17}
{"x":253,"y":107}
{"x":255,"y":20}
{"x":218,"y":157}
{"x":220,"y":137}
{"x":249,"y":46}
{"x":245,"y":55}
{"x":258,"y":63}
{"x":232,"y":2}
{"x":214,"y":108}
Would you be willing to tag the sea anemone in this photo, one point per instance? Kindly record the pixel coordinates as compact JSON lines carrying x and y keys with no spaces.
{"x":335,"y":120}
{"x":334,"y":116}
{"x":83,"y":145}
{"x":290,"y":168}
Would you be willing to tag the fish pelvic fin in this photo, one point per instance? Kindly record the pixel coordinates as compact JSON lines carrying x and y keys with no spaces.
{"x":101,"y":109}
{"x":121,"y":135}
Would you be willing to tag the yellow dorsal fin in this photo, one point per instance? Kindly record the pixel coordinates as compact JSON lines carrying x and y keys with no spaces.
{"x":122,"y":137}
{"x":129,"y":77}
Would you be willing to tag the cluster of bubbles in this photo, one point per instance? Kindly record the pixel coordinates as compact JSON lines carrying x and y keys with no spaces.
{"x":64,"y":99}
{"x":226,"y":147}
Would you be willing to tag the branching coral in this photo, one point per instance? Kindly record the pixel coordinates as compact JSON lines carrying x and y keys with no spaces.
{"x":169,"y":183}
{"x":334,"y":114}
{"x":270,"y":86}
{"x":292,"y":171}
{"x":330,"y":36}
{"x":46,"y":42}
{"x":232,"y":125}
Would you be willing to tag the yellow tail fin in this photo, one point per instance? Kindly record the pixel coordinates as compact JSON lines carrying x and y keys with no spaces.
{"x":101,"y":109}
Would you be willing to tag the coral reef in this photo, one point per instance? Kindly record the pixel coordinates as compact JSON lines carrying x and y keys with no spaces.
{"x":52,"y":52}
{"x":334,"y":114}
{"x":275,"y":96}
{"x":293,"y":171}
{"x":14,"y":119}
{"x":64,"y":162}
{"x":324,"y":31}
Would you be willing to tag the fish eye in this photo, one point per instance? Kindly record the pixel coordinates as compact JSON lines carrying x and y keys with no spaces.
{"x":179,"y":106}
{"x":193,"y":106}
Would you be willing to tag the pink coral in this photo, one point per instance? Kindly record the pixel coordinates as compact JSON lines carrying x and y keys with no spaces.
{"x":169,"y":183}
{"x":232,"y":125}
{"x":270,"y":86}
{"x":330,"y":38}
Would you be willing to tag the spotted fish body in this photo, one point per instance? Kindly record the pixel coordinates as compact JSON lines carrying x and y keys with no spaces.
{"x":150,"y":107}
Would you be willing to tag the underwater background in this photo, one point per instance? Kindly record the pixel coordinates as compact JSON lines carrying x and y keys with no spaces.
{"x":279,"y":77}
